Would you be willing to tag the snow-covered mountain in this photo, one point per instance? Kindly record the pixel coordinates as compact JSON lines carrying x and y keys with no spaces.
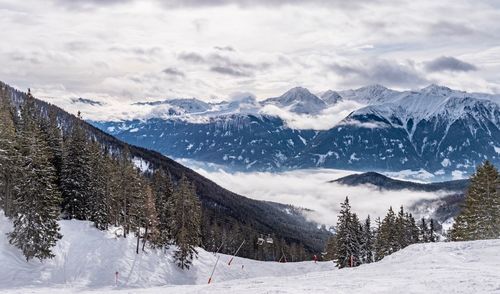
{"x":373,"y":94}
{"x":331,"y":97}
{"x":434,"y":130}
{"x":437,"y":129}
{"x":298,"y":100}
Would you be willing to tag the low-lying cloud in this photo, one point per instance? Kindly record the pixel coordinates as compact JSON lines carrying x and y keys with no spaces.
{"x":310,"y":189}
{"x":326,"y":120}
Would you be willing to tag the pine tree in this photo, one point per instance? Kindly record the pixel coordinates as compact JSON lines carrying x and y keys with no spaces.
{"x":37,"y":199}
{"x":9,"y":155}
{"x":367,"y":242}
{"x":163,"y":190}
{"x":185,"y":220}
{"x":331,"y":248}
{"x":76,"y":178}
{"x":387,"y":242}
{"x":479,"y":217}
{"x":53,"y":137}
{"x":348,"y":237}
{"x":401,"y":228}
{"x":99,"y":209}
{"x":412,"y":231}
{"x":432,"y":232}
{"x":424,"y":231}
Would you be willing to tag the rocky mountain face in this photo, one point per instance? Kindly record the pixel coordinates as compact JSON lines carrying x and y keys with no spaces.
{"x":436,"y":129}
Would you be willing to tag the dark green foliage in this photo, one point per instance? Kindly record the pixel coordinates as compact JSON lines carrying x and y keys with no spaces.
{"x":387,"y":242}
{"x":9,"y":156}
{"x":99,"y":210}
{"x":367,"y":242}
{"x":185,"y":220}
{"x":163,"y":190}
{"x":480,"y":214}
{"x":76,"y":175}
{"x":37,"y":197}
{"x":348,"y":237}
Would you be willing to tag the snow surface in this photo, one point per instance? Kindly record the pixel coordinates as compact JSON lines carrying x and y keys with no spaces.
{"x":86,"y":260}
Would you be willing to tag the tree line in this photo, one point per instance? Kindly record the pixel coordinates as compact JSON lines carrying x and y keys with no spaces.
{"x":57,"y":165}
{"x":355,"y":242}
{"x":479,"y":217}
{"x":45,"y":176}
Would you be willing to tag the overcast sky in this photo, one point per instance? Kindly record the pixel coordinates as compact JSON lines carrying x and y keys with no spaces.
{"x":119,"y":50}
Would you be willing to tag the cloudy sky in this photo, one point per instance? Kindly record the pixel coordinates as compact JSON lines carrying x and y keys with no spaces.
{"x":126,"y":50}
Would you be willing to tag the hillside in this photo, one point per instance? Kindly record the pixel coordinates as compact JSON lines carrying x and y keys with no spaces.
{"x":442,"y":209}
{"x":88,"y":258}
{"x":86,"y":261}
{"x":386,"y":183}
{"x":220,"y":205}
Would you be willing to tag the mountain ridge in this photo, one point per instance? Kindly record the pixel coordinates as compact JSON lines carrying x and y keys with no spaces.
{"x":436,"y":129}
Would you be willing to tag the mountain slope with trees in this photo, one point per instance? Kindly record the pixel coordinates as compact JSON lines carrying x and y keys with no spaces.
{"x":75,"y":145}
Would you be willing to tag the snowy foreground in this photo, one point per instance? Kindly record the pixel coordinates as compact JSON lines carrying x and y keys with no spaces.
{"x":87,"y":260}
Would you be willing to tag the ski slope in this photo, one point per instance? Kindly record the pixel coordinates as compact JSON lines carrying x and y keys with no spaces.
{"x":87,"y":260}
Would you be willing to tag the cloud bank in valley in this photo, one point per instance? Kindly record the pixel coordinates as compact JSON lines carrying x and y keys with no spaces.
{"x":310,"y":189}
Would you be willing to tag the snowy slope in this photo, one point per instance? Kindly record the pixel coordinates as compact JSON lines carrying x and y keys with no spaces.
{"x":88,"y":259}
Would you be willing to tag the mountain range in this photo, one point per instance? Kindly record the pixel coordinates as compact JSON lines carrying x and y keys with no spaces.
{"x":435,"y":129}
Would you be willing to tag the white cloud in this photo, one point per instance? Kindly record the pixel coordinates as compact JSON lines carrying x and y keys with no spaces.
{"x":323,"y":121}
{"x":366,"y":125}
{"x":309,"y":189}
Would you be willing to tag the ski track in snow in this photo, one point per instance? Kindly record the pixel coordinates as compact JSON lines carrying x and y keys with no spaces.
{"x":86,"y":260}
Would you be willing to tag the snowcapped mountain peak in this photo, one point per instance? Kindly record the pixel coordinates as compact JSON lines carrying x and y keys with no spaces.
{"x":434,"y":89}
{"x":298,"y":100}
{"x":331,"y":97}
{"x":373,"y":94}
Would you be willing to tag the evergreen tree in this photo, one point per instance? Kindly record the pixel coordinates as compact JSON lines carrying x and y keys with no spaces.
{"x":37,"y":199}
{"x":432,"y":232}
{"x":348,"y":236}
{"x":479,"y":217}
{"x":76,"y":178}
{"x":185,"y":220}
{"x":401,"y":229}
{"x":367,"y":245}
{"x":387,"y":242}
{"x":99,"y":209}
{"x":163,"y":190}
{"x":9,"y":165}
{"x":53,"y":137}
{"x":424,"y":236}
{"x":331,"y":248}
{"x":412,"y":231}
